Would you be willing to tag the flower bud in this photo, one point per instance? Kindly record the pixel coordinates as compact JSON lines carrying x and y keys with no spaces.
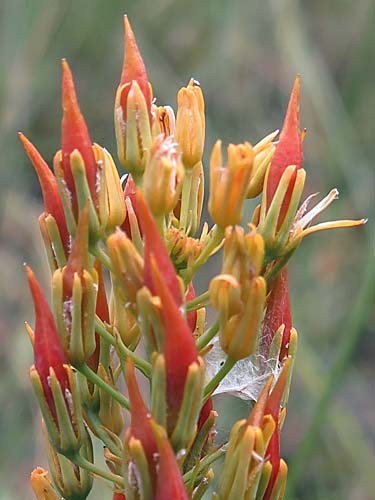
{"x":184,"y":369}
{"x":239,"y":336}
{"x":228,"y":184}
{"x":74,"y":297}
{"x":184,"y":249}
{"x":162,"y":180}
{"x":239,"y":293}
{"x":133,"y":108}
{"x":53,"y":380}
{"x":190,"y":124}
{"x":75,"y":137}
{"x":243,"y":259}
{"x":245,"y":462}
{"x":53,"y":245}
{"x":237,"y":466}
{"x":130,"y":225}
{"x":42,"y":486}
{"x":272,"y":408}
{"x":128,"y":265}
{"x":140,"y":417}
{"x":263,"y":154}
{"x":110,"y":414}
{"x":164,"y":121}
{"x":53,"y":206}
{"x":111,"y":203}
{"x":71,"y":481}
{"x":189,"y":214}
{"x":140,"y":431}
{"x":48,"y":350}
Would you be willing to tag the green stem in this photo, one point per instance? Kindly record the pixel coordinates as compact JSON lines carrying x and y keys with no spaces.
{"x":204,"y":463}
{"x":160,"y":222}
{"x":100,"y":254}
{"x":208,"y":335}
{"x":185,"y":199}
{"x":198,"y":302}
{"x":95,"y":379}
{"x":275,"y":270}
{"x":349,"y":341}
{"x":221,"y":374}
{"x":85,"y":464}
{"x":140,"y":363}
{"x":103,"y":332}
{"x":217,"y":234}
{"x":102,"y":435}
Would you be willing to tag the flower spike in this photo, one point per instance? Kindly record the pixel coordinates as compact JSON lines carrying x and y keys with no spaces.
{"x":75,"y":136}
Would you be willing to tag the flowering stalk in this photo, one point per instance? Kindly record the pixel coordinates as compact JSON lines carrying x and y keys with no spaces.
{"x":123,"y":262}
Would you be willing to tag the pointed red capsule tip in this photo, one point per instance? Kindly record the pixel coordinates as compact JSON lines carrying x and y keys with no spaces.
{"x":140,"y":426}
{"x":74,"y":134}
{"x":48,"y":351}
{"x":169,"y":480}
{"x":154,"y":244}
{"x":51,"y":196}
{"x":288,"y":150}
{"x":133,"y":68}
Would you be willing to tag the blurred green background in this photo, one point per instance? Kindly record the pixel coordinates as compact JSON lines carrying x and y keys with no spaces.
{"x":245,"y":55}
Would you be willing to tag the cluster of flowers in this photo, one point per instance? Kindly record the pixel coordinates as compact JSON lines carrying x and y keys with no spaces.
{"x":123,"y":262}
